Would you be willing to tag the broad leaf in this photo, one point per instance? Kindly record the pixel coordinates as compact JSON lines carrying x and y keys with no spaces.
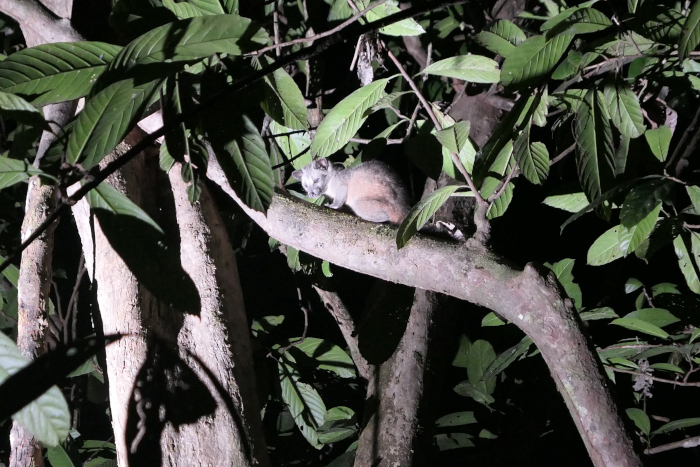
{"x":284,"y":102}
{"x":532,"y":60}
{"x":51,"y":73}
{"x":343,"y":121}
{"x":594,"y":145}
{"x":623,"y":106}
{"x":470,"y":68}
{"x":676,"y":425}
{"x":564,"y":271}
{"x":47,"y":418}
{"x":621,"y":241}
{"x":659,"y":140}
{"x":691,"y":33}
{"x":327,"y":356}
{"x":14,"y":171}
{"x":447,"y":441}
{"x":583,"y":21}
{"x":641,"y":326}
{"x":640,"y":419}
{"x":456,"y":419}
{"x":17,"y":109}
{"x":689,"y":262}
{"x":247,"y":166}
{"x":533,"y":159}
{"x":183,"y":10}
{"x":421,"y":212}
{"x":505,"y":359}
{"x":643,"y":199}
{"x":501,"y":37}
{"x":694,"y":195}
{"x":598,"y":313}
{"x":293,"y":144}
{"x":570,"y":202}
{"x":406,"y":27}
{"x":656,"y":316}
{"x":559,"y":17}
{"x":481,"y":355}
{"x":168,"y":48}
{"x":304,"y":402}
{"x":149,"y":255}
{"x":106,"y":119}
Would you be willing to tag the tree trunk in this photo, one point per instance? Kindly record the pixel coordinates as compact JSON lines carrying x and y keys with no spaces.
{"x":218,"y":337}
{"x":34,"y":284}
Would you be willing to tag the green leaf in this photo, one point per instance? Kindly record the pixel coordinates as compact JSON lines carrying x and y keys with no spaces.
{"x":633,"y":285}
{"x":659,"y":140}
{"x":106,"y":119}
{"x":460,"y":359}
{"x":643,"y":199}
{"x":501,"y":37}
{"x":667,"y":367}
{"x":455,"y":419}
{"x":51,"y":73}
{"x":594,"y":145}
{"x":339,"y":413}
{"x":284,"y":102}
{"x":583,"y":21}
{"x":447,"y":441}
{"x":508,"y":31}
{"x":421,"y":212}
{"x":266,"y":324}
{"x":570,"y":202}
{"x":558,"y":18}
{"x":455,"y":139}
{"x":17,"y":109}
{"x":406,"y":27}
{"x":304,"y":402}
{"x":656,"y":316}
{"x":173,"y":45}
{"x":183,"y":10}
{"x":598,"y":313}
{"x":466,"y":389}
{"x":247,"y":166}
{"x":569,"y":66}
{"x":491,"y":320}
{"x":688,"y":263}
{"x":640,"y":419}
{"x":328,"y":356}
{"x":532,"y":60}
{"x":691,"y":33}
{"x":140,"y":242}
{"x":211,"y":7}
{"x":470,"y":68}
{"x":14,"y":171}
{"x":343,"y":121}
{"x":481,"y":355}
{"x":641,"y":326}
{"x":694,"y":195}
{"x":619,"y":241}
{"x":500,"y":204}
{"x":533,"y":159}
{"x":47,"y":418}
{"x":505,"y":359}
{"x":59,"y":457}
{"x":677,"y":425}
{"x":292,"y":144}
{"x":623,"y":106}
{"x":564,"y":271}
{"x":494,"y":43}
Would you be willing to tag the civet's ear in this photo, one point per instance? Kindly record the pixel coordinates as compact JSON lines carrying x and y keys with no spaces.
{"x":321,"y":164}
{"x":297,"y":174}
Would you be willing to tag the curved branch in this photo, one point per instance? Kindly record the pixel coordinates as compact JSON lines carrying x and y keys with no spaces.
{"x":469,"y":272}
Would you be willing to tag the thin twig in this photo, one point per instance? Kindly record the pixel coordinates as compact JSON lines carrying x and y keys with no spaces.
{"x":367,"y":141}
{"x":504,"y":186}
{"x":684,"y":443}
{"x":660,"y":380}
{"x":276,"y":29}
{"x":321,"y":35}
{"x":562,"y":154}
{"x":289,"y":161}
{"x":303,"y":54}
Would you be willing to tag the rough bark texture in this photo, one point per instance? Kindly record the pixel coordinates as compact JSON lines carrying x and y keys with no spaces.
{"x":39,"y":24}
{"x":394,"y":393}
{"x":34,"y":284}
{"x":472,"y":273}
{"x":218,"y":336}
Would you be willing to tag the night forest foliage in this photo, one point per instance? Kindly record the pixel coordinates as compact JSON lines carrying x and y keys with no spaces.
{"x":584,"y":164}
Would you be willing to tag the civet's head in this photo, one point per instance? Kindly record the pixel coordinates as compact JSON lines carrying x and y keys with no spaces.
{"x":314,"y":177}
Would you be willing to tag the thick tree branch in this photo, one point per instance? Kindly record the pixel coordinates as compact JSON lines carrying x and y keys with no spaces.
{"x":41,"y":21}
{"x":472,"y":273}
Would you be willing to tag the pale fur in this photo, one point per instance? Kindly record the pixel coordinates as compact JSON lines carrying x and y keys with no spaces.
{"x":371,"y":190}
